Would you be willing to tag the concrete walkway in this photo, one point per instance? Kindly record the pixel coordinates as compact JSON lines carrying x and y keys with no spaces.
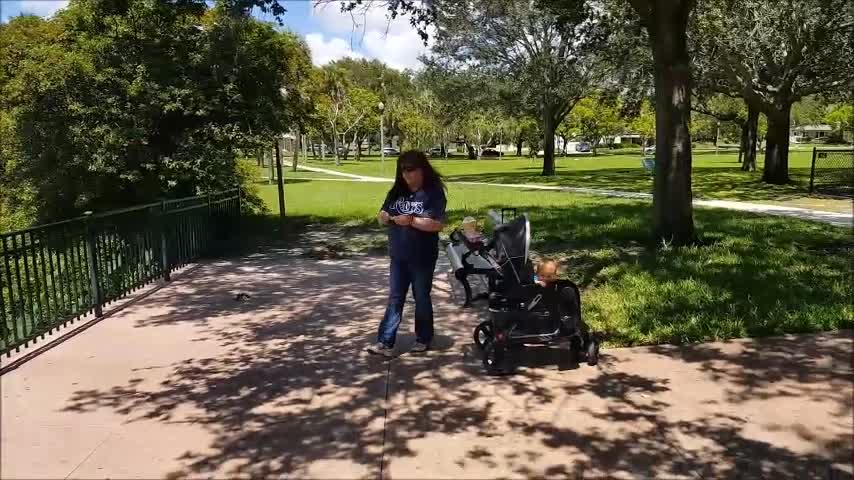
{"x":190,"y":382}
{"x":833,"y":218}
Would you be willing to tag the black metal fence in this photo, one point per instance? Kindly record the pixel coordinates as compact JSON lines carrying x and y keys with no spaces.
{"x":832,"y":172}
{"x":56,"y":273}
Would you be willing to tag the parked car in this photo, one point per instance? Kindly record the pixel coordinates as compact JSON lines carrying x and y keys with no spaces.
{"x":490,"y":152}
{"x":436,"y":152}
{"x":391,"y":151}
{"x":649,"y":150}
{"x":319,"y":148}
{"x":582,"y":147}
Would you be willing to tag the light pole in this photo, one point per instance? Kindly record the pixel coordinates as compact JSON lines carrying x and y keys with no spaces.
{"x":381,"y":106}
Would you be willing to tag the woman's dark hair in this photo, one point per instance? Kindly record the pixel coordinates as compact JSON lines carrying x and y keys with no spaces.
{"x":413,"y":158}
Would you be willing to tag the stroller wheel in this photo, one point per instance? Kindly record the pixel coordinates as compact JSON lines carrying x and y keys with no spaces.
{"x":483,"y":334}
{"x":592,"y":352}
{"x":493,"y":358}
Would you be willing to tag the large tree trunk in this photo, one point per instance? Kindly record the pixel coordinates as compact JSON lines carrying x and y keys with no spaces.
{"x":281,"y":183}
{"x":672,"y":196}
{"x":777,"y":145}
{"x":335,"y":147}
{"x":548,"y":140}
{"x":472,"y":153}
{"x":519,"y":146}
{"x":750,"y":131}
{"x":479,"y":143}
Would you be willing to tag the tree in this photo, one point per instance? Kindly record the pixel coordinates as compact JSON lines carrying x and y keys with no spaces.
{"x":390,"y":86}
{"x":644,"y":123}
{"x":663,"y":24}
{"x":775,"y":52}
{"x":343,"y":106}
{"x":418,"y":123}
{"x":299,"y":112}
{"x":595,"y":117}
{"x":666,"y":23}
{"x":842,"y":118}
{"x":129,"y":102}
{"x":479,"y":126}
{"x":550,"y":63}
{"x":459,"y":96}
{"x":809,"y":110}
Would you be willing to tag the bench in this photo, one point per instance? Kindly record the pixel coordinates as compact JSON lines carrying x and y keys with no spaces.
{"x":648,"y":165}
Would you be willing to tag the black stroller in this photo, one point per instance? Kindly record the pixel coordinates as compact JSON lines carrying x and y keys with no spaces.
{"x":521,"y":311}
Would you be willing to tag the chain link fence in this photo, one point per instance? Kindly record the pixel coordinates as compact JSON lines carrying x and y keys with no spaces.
{"x":832,"y":172}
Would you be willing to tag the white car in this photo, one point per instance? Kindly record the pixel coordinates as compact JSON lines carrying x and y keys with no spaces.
{"x":649,"y":150}
{"x":391,"y":151}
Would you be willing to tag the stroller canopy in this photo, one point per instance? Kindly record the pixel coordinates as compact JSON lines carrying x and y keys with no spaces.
{"x":512,"y":244}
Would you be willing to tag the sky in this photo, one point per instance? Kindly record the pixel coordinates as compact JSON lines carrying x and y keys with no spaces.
{"x":329,"y":33}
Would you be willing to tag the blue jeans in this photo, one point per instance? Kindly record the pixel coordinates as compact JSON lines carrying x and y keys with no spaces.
{"x":402,"y":274}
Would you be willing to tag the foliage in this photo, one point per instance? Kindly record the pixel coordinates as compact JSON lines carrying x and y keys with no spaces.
{"x":113,"y":104}
{"x":841,"y":117}
{"x":809,"y":110}
{"x":644,"y":123}
{"x":596,"y":116}
{"x":773,"y":53}
{"x":343,"y":107}
{"x":549,"y":62}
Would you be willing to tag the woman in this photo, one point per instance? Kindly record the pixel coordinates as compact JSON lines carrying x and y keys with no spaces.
{"x":414,"y":211}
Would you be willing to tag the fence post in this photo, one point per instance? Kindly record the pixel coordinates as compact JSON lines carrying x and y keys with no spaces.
{"x":164,"y":252}
{"x":812,"y":169}
{"x":235,"y":223}
{"x":92,"y":261}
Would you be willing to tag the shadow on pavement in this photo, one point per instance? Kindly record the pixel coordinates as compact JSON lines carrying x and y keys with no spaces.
{"x":281,"y":383}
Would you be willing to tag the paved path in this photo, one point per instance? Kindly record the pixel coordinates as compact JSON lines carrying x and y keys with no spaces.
{"x":190,"y":382}
{"x":841,"y":219}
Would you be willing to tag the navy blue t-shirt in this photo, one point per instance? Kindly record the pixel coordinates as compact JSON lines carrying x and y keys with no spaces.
{"x":408,"y":243}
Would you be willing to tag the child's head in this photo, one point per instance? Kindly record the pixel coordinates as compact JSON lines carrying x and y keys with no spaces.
{"x":469,"y":224}
{"x":548,"y":271}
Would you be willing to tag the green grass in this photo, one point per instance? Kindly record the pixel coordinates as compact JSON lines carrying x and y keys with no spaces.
{"x":752,"y":276}
{"x":714,"y":176}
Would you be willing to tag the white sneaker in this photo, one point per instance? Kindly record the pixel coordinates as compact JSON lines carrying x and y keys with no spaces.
{"x":380,"y":349}
{"x":419,"y":347}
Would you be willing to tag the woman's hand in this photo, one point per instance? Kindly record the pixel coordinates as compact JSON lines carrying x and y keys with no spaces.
{"x":384,"y":217}
{"x":403,"y":220}
{"x":426,"y":224}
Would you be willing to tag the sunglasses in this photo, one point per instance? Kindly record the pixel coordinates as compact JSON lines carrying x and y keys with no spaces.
{"x":408,"y":169}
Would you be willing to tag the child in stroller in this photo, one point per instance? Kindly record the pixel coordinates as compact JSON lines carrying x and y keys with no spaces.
{"x":522,"y":310}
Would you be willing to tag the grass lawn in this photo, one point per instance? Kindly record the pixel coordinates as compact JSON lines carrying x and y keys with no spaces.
{"x":754,"y":275}
{"x":715,"y":176}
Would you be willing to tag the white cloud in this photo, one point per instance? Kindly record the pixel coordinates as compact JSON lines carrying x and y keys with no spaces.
{"x":42,"y":8}
{"x":324,"y":50}
{"x":397,"y":50}
{"x":372,"y":16}
{"x":370,"y":31}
